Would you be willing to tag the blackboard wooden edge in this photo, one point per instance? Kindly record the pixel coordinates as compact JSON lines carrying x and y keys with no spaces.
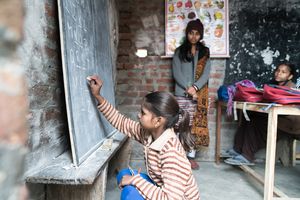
{"x":62,"y":170}
{"x":88,"y":153}
{"x":65,"y":78}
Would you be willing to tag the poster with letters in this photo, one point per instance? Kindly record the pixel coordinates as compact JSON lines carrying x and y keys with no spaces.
{"x":212,"y":13}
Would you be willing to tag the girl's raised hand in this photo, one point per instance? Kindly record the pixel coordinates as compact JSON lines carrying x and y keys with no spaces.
{"x":95,"y":84}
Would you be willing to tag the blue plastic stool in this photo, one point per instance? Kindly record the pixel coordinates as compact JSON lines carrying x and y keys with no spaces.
{"x":129,"y":192}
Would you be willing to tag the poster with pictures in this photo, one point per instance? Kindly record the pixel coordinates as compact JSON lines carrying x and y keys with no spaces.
{"x":212,"y":13}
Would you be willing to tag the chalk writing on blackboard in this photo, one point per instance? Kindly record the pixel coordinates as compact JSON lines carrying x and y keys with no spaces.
{"x":85,"y":43}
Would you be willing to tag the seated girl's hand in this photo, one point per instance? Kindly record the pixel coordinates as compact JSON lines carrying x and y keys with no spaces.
{"x":126,"y":180}
{"x":95,"y":84}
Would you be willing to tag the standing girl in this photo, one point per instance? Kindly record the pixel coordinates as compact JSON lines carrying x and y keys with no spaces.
{"x":166,"y":161}
{"x":191,"y":68}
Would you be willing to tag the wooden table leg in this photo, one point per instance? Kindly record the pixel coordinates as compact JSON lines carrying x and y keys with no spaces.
{"x":270,"y":157}
{"x":218,"y":132}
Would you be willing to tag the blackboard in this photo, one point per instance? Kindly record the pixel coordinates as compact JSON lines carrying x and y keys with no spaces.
{"x":85,"y":44}
{"x":263,"y":34}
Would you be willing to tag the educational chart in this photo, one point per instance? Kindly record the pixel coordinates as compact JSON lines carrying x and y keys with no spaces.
{"x":213,"y":15}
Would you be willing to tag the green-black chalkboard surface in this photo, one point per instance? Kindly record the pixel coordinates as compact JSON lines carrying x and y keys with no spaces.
{"x":85,"y":44}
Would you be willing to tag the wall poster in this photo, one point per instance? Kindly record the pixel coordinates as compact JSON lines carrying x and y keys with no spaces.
{"x":212,"y":13}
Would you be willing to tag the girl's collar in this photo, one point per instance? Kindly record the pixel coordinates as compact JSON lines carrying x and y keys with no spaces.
{"x":160,"y":142}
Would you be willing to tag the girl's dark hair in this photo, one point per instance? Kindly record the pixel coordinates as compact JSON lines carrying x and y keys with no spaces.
{"x":185,"y":53}
{"x":291,"y":67}
{"x":165,"y":105}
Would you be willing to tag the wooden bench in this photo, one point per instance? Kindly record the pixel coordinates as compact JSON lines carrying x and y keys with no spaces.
{"x":88,"y":181}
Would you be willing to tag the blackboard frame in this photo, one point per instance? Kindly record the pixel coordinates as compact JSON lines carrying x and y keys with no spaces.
{"x":85,"y":49}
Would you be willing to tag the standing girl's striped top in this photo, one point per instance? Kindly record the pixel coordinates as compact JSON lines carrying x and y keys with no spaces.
{"x":166,"y":160}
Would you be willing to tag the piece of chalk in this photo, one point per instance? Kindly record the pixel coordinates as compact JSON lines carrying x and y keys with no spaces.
{"x":88,"y":78}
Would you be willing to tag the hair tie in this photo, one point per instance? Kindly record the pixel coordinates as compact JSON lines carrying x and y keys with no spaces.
{"x":180,"y":111}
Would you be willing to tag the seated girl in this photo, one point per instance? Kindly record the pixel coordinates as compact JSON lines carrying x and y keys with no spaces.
{"x":170,"y":173}
{"x":251,"y":136}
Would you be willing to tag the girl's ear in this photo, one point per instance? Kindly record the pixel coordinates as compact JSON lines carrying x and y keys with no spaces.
{"x":156,"y":121}
{"x":290,"y":77}
{"x":159,"y":121}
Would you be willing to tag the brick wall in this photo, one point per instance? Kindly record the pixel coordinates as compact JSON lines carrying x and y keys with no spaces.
{"x":141,"y":25}
{"x":137,"y":76}
{"x":41,"y":58}
{"x":40,"y":53}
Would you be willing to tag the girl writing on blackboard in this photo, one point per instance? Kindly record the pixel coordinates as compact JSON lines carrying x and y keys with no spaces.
{"x":166,"y":161}
{"x":191,"y":68}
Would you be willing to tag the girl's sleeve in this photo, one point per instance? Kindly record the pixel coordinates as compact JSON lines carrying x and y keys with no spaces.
{"x":176,"y":70}
{"x":175,"y":175}
{"x":120,"y":122}
{"x":204,"y":77}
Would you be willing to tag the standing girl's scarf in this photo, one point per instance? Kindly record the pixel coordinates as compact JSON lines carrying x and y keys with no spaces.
{"x":200,"y":124}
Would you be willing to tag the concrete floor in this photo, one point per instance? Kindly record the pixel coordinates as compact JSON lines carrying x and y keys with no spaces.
{"x":227,"y":182}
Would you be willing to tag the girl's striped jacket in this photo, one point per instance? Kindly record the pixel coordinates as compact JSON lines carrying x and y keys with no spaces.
{"x":166,"y":160}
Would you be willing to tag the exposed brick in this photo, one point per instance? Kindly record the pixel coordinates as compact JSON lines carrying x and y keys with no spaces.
{"x":166,"y":74}
{"x":149,"y":81}
{"x":164,"y":80}
{"x":131,"y":93}
{"x":125,"y":15}
{"x":151,"y":67}
{"x":140,"y":100}
{"x":50,"y":10}
{"x":171,"y":88}
{"x":128,"y":65}
{"x":145,"y":87}
{"x":165,"y":67}
{"x":120,"y":66}
{"x":154,"y":74}
{"x":128,"y":101}
{"x":216,"y":75}
{"x":135,"y":81}
{"x":52,"y":34}
{"x":143,"y":73}
{"x":213,"y":90}
{"x":125,"y":36}
{"x":132,"y":74}
{"x":125,"y":43}
{"x":51,"y":53}
{"x":124,"y":29}
{"x":212,"y":97}
{"x":52,"y":114}
{"x":163,"y":88}
{"x":123,"y":59}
